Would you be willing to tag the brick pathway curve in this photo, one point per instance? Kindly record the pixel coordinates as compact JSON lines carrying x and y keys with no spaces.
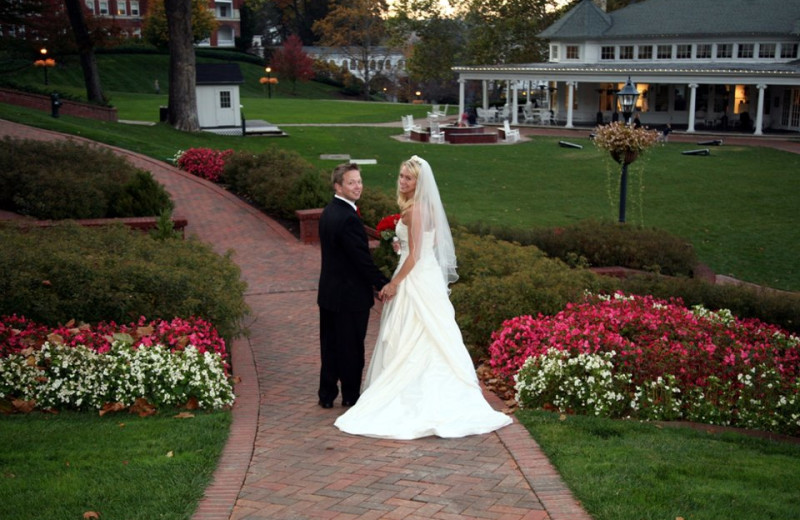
{"x":284,"y":459}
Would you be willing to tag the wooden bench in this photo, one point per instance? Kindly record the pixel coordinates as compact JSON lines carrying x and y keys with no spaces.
{"x":472,"y":138}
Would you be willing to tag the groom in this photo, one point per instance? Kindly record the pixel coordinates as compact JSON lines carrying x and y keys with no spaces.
{"x":347,"y":280}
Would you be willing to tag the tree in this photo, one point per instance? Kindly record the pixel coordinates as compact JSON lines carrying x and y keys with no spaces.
{"x":291,"y":63}
{"x":357,"y":27}
{"x":182,"y":105}
{"x":85,"y":43}
{"x":156,"y":29}
{"x":505,"y":31}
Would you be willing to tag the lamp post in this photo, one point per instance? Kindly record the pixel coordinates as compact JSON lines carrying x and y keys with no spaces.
{"x":627,"y":100}
{"x":43,"y":52}
{"x":269,"y":81}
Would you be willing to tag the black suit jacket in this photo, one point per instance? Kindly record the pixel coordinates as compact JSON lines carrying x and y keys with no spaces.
{"x":348,"y":275}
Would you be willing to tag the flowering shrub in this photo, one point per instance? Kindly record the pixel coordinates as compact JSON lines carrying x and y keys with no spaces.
{"x":387,"y":225}
{"x":618,"y":137}
{"x":58,"y":376}
{"x":203,"y":162}
{"x":18,"y":333}
{"x":669,"y":362}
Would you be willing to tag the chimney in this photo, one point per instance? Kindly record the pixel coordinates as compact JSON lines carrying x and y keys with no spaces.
{"x":602,"y":4}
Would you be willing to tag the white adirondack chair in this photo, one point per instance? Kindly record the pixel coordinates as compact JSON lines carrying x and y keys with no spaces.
{"x":512,"y":135}
{"x":408,"y":125}
{"x":437,"y":135}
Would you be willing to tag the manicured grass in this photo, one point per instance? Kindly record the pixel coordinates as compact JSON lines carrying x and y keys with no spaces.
{"x":625,"y":470}
{"x":736,"y":206}
{"x":61,"y":466}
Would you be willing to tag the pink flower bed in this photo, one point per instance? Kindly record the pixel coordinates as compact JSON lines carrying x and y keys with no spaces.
{"x":204,"y":162}
{"x":651,"y":338}
{"x":18,"y":333}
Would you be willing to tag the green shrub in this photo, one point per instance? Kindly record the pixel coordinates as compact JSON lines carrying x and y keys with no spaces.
{"x":52,"y":275}
{"x":66,"y":180}
{"x":500,"y":280}
{"x":592,"y":243}
{"x":275,"y":180}
{"x":141,"y":196}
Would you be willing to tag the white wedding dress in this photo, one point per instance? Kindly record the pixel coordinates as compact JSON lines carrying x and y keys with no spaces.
{"x":420,"y":380}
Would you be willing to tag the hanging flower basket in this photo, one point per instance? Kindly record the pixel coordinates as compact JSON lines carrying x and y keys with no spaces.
{"x":624,"y":142}
{"x":624,"y":156}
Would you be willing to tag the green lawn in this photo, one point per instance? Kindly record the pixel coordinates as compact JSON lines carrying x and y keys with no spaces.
{"x":736,"y":206}
{"x":60,"y":466}
{"x":626,"y":470}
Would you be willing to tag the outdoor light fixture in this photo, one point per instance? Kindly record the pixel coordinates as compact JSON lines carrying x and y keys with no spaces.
{"x":627,"y":99}
{"x":269,"y":81}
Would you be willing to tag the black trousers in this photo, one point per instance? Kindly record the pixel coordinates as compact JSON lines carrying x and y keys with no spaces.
{"x":341,"y":337}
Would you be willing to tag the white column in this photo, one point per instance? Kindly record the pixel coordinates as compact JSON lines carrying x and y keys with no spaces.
{"x":461,"y":101}
{"x":485,"y":93}
{"x":515,"y":105}
{"x":692,"y":106}
{"x":760,"y":114}
{"x":570,"y":97}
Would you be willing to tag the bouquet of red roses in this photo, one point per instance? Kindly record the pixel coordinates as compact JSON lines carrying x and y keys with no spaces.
{"x":386,"y":226}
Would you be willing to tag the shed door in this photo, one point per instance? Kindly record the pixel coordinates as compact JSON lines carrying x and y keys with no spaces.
{"x":225,"y":111}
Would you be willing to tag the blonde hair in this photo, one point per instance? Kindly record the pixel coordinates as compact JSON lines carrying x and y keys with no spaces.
{"x":413,"y":168}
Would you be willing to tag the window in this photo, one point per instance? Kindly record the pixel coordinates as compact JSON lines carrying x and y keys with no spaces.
{"x":724,"y":50}
{"x":626,"y":52}
{"x":573,"y":52}
{"x":134,"y":8}
{"x":746,"y":50}
{"x":103,"y":7}
{"x":554,"y":52}
{"x":121,"y":9}
{"x":789,"y":50}
{"x":90,"y":6}
{"x":703,"y":51}
{"x":387,"y":64}
{"x":683,"y":51}
{"x":223,"y":11}
{"x":645,"y":52}
{"x":664,"y":52}
{"x":607,"y":52}
{"x":225,"y":99}
{"x":766,"y":50}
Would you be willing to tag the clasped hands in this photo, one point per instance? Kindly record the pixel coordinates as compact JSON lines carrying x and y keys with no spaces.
{"x":388,"y":292}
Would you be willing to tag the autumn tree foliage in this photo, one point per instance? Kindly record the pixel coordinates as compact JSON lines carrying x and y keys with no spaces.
{"x":156,"y":30}
{"x":291,"y":63}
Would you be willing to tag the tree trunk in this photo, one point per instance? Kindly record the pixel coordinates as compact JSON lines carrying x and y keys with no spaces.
{"x":182,"y":111}
{"x":91,"y":77}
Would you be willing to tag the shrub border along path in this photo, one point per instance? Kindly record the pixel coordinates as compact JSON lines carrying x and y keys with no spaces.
{"x":284,"y":458}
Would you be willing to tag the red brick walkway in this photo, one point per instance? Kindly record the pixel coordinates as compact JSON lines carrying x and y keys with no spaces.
{"x":284,"y":458}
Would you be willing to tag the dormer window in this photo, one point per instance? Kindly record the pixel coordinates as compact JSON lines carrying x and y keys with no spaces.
{"x":607,"y":52}
{"x":626,"y":52}
{"x":746,"y":50}
{"x":789,"y":50}
{"x":664,"y":52}
{"x":683,"y":52}
{"x":645,"y":52}
{"x":766,"y":50}
{"x":573,"y":52}
{"x":703,"y":51}
{"x":724,"y":50}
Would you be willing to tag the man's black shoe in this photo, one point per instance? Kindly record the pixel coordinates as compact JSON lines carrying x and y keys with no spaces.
{"x":346,"y":403}
{"x":326,"y":404}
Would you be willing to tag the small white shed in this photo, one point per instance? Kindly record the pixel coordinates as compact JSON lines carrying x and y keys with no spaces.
{"x":218,"y":104}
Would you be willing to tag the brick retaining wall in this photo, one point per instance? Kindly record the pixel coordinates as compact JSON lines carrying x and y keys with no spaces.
{"x":69,"y":108}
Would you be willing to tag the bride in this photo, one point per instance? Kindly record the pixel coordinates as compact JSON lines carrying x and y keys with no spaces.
{"x":421,"y":380}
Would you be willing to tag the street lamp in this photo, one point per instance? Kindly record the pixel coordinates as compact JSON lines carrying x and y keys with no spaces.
{"x":43,"y":52}
{"x":627,"y":101}
{"x":269,"y":81}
